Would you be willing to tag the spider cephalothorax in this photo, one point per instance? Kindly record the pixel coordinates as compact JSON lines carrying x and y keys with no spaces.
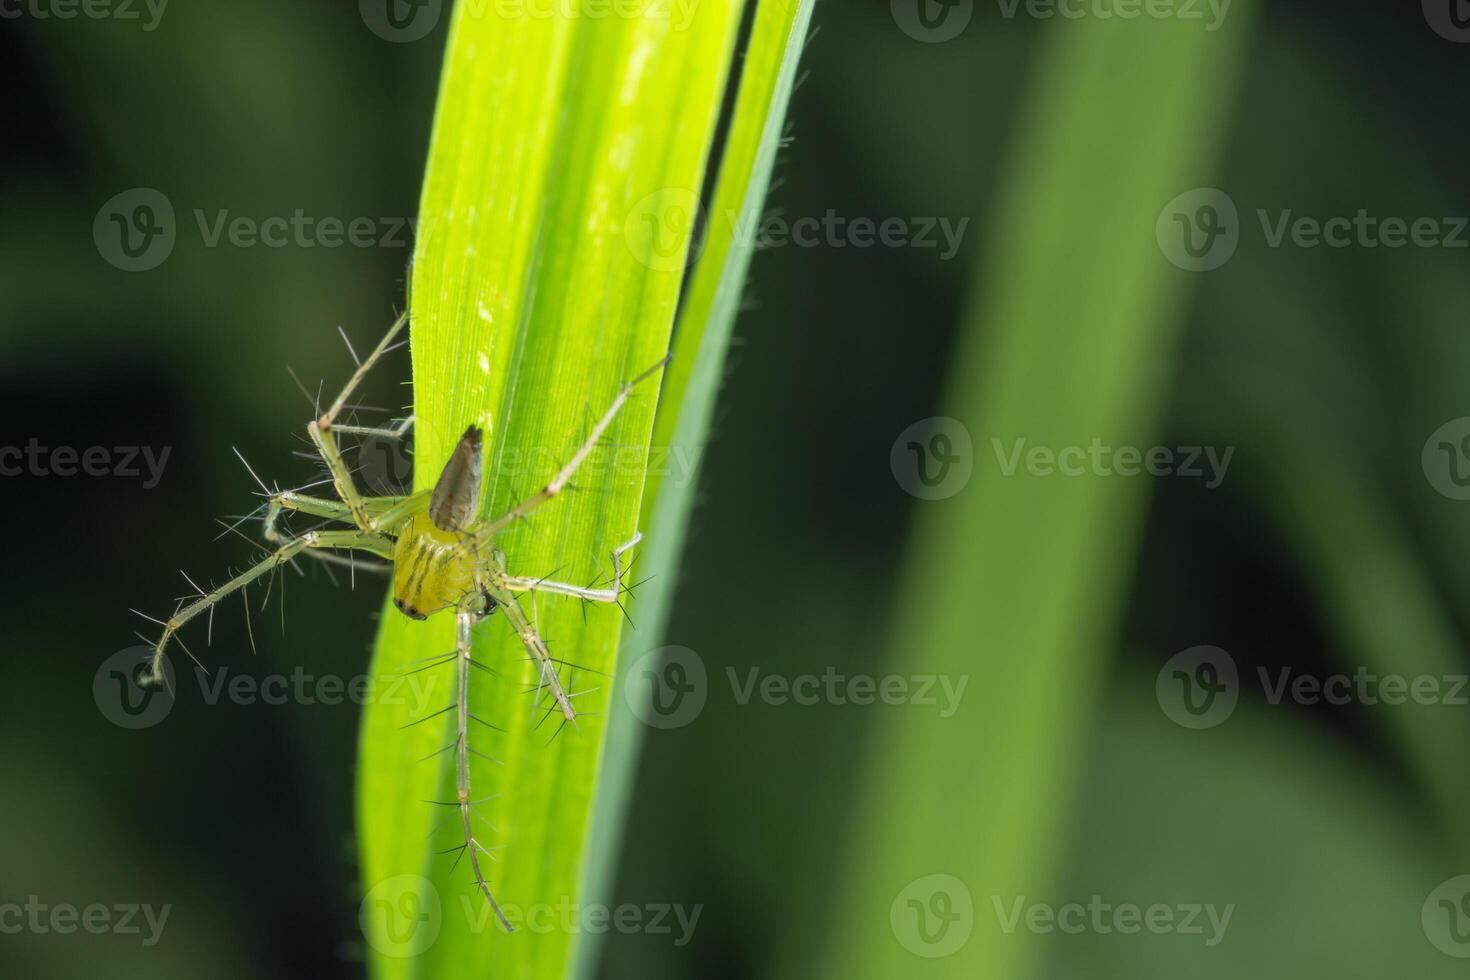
{"x":434,"y":561}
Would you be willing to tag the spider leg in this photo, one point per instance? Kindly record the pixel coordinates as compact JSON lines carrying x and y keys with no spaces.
{"x":559,"y":481}
{"x":610,"y":594}
{"x":332,"y":510}
{"x":358,"y":540}
{"x":388,"y":512}
{"x":464,"y":623}
{"x":395,"y":432}
{"x":505,"y":601}
{"x":322,"y":434}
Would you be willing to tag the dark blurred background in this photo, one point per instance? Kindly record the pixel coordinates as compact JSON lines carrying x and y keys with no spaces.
{"x":1327,"y":369}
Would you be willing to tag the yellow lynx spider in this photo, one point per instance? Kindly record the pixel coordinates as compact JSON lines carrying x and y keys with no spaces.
{"x":443,"y":556}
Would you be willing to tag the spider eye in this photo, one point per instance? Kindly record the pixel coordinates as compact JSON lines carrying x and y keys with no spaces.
{"x":408,"y":610}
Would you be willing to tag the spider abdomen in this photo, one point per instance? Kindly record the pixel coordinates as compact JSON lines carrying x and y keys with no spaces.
{"x":433,"y":569}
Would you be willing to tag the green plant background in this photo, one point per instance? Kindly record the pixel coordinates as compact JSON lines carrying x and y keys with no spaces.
{"x":1324,"y":549}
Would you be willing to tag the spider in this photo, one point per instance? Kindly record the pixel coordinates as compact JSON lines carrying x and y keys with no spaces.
{"x":443,"y":557}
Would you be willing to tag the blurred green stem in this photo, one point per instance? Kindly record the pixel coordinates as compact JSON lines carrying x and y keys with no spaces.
{"x":1018,"y":580}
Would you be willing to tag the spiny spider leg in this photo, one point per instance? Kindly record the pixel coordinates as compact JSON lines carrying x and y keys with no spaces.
{"x":547,"y":677}
{"x":559,"y":481}
{"x":396,"y":432}
{"x":383,"y":509}
{"x":332,"y":510}
{"x":610,"y":594}
{"x":321,"y":431}
{"x":465,"y":618}
{"x":359,"y":540}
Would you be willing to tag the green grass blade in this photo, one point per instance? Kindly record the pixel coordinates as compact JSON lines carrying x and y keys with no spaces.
{"x":682,"y":424}
{"x":533,"y":298}
{"x":1017,"y":581}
